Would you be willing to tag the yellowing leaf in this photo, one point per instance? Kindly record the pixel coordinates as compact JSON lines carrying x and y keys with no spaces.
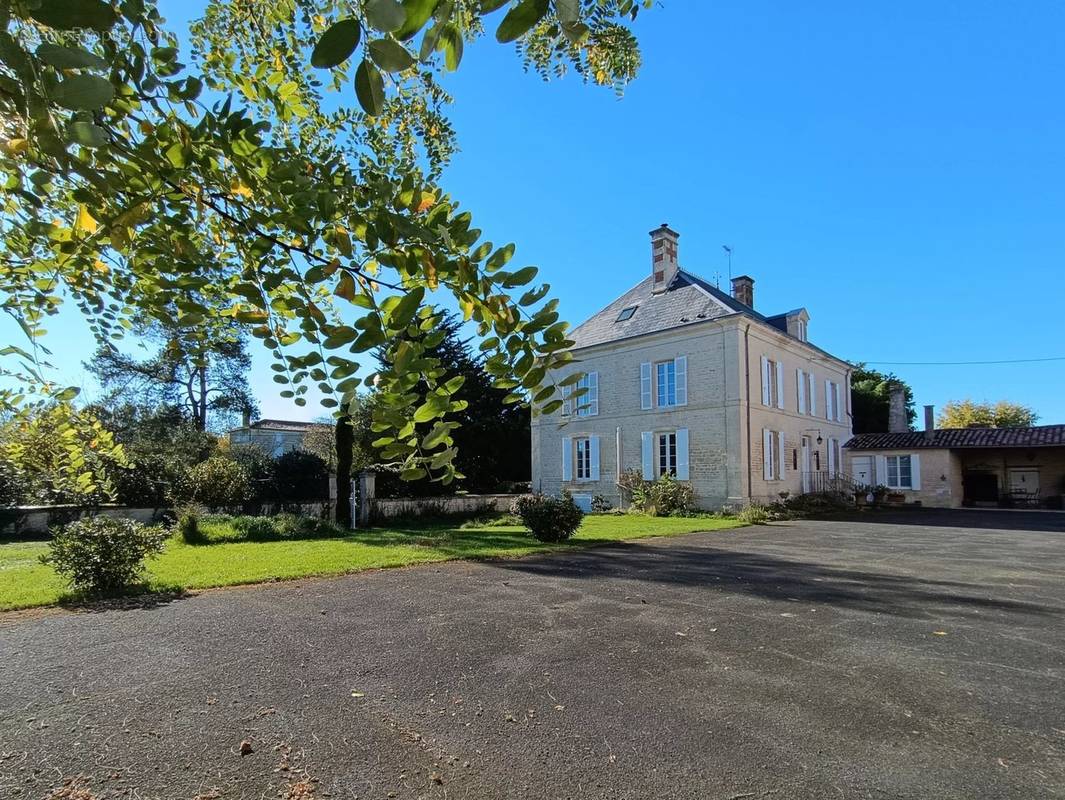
{"x":17,"y":145}
{"x":428,"y":201}
{"x":238,"y":189}
{"x":85,"y":221}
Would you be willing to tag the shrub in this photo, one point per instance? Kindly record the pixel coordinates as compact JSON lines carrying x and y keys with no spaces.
{"x":754,"y":514}
{"x":300,"y":477}
{"x":260,"y":468}
{"x":284,"y":527}
{"x":218,"y":482}
{"x":188,"y":524}
{"x":103,"y":556}
{"x":662,"y":497}
{"x":600,"y":505}
{"x":550,"y":519}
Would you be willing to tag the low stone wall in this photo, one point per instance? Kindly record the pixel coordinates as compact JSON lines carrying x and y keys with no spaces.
{"x":384,"y":509}
{"x":38,"y":520}
{"x":32,"y":520}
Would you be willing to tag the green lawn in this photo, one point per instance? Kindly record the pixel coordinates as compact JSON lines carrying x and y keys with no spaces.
{"x":25,"y":582}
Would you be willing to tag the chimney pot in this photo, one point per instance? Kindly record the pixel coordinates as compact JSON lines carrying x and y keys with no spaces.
{"x":743,"y":289}
{"x":664,"y":263}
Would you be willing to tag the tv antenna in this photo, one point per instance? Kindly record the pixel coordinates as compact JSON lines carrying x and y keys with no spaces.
{"x":728,"y":252}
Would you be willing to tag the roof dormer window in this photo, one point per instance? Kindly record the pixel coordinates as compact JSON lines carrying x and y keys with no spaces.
{"x":626,"y":313}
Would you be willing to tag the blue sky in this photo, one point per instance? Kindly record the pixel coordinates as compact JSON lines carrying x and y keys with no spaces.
{"x":898,"y":169}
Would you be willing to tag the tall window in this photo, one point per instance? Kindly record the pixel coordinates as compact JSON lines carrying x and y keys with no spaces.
{"x":583,"y":466}
{"x":667,"y":454}
{"x":899,"y":472}
{"x":666,"y":372}
{"x":587,"y":404}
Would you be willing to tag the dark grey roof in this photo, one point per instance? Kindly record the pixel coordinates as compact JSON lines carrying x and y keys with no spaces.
{"x":1038,"y":436}
{"x":283,"y":425}
{"x":687,"y":300}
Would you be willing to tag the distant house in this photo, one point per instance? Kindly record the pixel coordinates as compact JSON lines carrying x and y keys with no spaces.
{"x":955,"y":467}
{"x":684,"y":379}
{"x":273,"y":436}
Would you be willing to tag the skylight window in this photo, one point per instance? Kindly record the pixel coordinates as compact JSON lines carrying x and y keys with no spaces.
{"x":626,"y":313}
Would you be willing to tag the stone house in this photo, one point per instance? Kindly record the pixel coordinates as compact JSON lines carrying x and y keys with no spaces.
{"x":958,"y":467}
{"x":272,"y":436}
{"x":680,"y":377}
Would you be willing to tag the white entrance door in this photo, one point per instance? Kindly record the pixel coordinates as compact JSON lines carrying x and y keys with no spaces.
{"x":805,"y":448}
{"x":862,"y":470}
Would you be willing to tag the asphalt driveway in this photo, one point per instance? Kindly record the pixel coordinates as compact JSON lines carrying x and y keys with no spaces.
{"x":922,"y":657}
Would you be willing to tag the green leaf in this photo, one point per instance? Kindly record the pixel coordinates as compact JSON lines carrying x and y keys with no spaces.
{"x":404,"y":311}
{"x":87,"y":134}
{"x":418,"y":13}
{"x":519,"y":278}
{"x":385,"y":15}
{"x":337,"y":44}
{"x":488,"y":6}
{"x":520,"y":19}
{"x":390,"y":55}
{"x":69,"y":57}
{"x":370,"y":88}
{"x":84,"y":93}
{"x":66,"y":15}
{"x":452,"y":40}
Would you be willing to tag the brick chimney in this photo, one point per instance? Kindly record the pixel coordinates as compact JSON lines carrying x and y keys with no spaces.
{"x":898,"y":422}
{"x":664,"y":263}
{"x":929,"y":422}
{"x":743,"y":289}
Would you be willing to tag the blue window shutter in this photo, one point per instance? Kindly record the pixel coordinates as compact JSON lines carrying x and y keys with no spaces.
{"x":645,"y":385}
{"x":594,"y":458}
{"x":680,"y":367}
{"x":647,"y":452}
{"x":682,"y":454}
{"x":567,"y":458}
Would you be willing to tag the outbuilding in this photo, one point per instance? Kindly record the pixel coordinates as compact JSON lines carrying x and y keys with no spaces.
{"x":965,"y":467}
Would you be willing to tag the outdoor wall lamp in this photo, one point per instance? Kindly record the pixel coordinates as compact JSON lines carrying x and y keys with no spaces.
{"x":818,"y":432}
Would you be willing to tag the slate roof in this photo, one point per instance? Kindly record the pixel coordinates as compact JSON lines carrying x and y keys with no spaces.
{"x":1038,"y":436}
{"x":283,"y":425}
{"x":688,"y":299}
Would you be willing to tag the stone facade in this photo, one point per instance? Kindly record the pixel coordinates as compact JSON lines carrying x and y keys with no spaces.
{"x":724,"y":414}
{"x":272,"y":436}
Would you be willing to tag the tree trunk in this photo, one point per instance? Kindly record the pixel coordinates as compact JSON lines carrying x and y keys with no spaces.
{"x":201,"y":404}
{"x":345,"y":445}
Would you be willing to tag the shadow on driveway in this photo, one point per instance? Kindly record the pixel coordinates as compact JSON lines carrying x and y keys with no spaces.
{"x":962,"y":518}
{"x":776,"y":578}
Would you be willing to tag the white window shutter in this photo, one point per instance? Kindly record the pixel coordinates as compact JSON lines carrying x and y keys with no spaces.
{"x":645,"y":385}
{"x":766,"y":401}
{"x":767,"y":454}
{"x":812,"y":385}
{"x":915,"y":470}
{"x":836,"y":405}
{"x":647,"y":452}
{"x":680,"y":369}
{"x":592,"y":398}
{"x":828,"y":399}
{"x":881,"y":471}
{"x":567,"y":458}
{"x":594,"y":458}
{"x":780,"y":385}
{"x":800,"y":385}
{"x":682,"y":454}
{"x":567,"y":401}
{"x":781,"y":449}
{"x":831,"y":454}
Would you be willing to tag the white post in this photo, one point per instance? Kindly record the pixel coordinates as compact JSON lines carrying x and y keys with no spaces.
{"x":367,"y":490}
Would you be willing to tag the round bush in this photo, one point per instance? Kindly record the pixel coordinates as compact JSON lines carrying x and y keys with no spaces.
{"x":103,"y":556}
{"x":218,"y":482}
{"x":550,"y":519}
